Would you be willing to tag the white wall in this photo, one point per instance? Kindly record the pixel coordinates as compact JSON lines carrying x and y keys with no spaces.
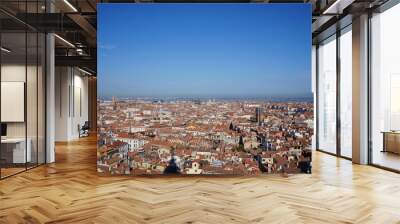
{"x":17,"y":73}
{"x":80,"y":110}
{"x":71,"y":87}
{"x":33,"y":126}
{"x":9,"y":73}
{"x":62,"y":82}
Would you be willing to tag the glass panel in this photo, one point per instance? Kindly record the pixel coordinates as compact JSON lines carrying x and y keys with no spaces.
{"x":327,"y":95}
{"x":346,"y":92}
{"x":41,"y":98}
{"x":32,"y":88}
{"x":385,"y":84}
{"x":13,"y":88}
{"x":31,"y":98}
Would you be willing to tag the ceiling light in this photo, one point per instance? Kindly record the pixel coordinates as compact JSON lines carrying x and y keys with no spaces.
{"x":84,"y":71}
{"x":79,"y":51}
{"x":333,"y":6}
{"x":5,"y":50}
{"x":65,"y":41}
{"x":338,"y":6}
{"x":70,"y":5}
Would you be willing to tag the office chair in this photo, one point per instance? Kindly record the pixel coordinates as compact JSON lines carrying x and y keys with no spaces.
{"x":84,"y":130}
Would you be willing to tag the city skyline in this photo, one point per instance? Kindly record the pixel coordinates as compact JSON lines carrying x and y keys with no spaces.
{"x":204,"y":137}
{"x":212,"y":98}
{"x":204,"y":51}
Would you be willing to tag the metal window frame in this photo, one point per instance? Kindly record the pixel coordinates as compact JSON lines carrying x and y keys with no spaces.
{"x":387,"y":5}
{"x":339,"y":28}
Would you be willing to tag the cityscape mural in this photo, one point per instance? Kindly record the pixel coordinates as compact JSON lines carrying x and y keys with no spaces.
{"x":204,"y":89}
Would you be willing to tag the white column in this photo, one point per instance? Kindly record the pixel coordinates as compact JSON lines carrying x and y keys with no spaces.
{"x":360,"y":90}
{"x":50,"y":98}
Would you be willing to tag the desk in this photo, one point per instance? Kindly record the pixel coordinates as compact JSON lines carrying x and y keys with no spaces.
{"x":391,"y":141}
{"x":13,"y":150}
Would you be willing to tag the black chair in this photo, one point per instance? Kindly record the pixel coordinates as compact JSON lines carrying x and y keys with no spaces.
{"x":84,"y":130}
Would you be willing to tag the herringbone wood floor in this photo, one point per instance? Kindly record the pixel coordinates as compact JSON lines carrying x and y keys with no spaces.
{"x":70,"y":191}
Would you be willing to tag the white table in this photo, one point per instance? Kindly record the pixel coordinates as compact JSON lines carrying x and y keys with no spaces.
{"x":19,"y":153}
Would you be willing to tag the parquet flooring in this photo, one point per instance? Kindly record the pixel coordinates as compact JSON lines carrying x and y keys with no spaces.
{"x":70,"y":191}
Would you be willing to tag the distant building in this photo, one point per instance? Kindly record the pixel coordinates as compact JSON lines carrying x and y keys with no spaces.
{"x":133,"y":142}
{"x":259,"y":115}
{"x":114,"y":103}
{"x":195,"y":169}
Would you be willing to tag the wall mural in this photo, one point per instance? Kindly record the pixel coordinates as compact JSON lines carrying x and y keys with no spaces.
{"x":204,"y":89}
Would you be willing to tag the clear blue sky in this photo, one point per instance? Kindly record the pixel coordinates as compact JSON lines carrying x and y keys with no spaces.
{"x":204,"y":50}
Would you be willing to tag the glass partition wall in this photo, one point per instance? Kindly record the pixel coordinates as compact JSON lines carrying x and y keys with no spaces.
{"x":334,"y":84}
{"x":13,"y":86}
{"x":22,"y":98}
{"x":345,"y":91}
{"x":327,"y":95}
{"x":385,"y":89}
{"x":334,"y":98}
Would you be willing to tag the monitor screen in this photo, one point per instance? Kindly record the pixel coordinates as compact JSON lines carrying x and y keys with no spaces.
{"x":3,"y":129}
